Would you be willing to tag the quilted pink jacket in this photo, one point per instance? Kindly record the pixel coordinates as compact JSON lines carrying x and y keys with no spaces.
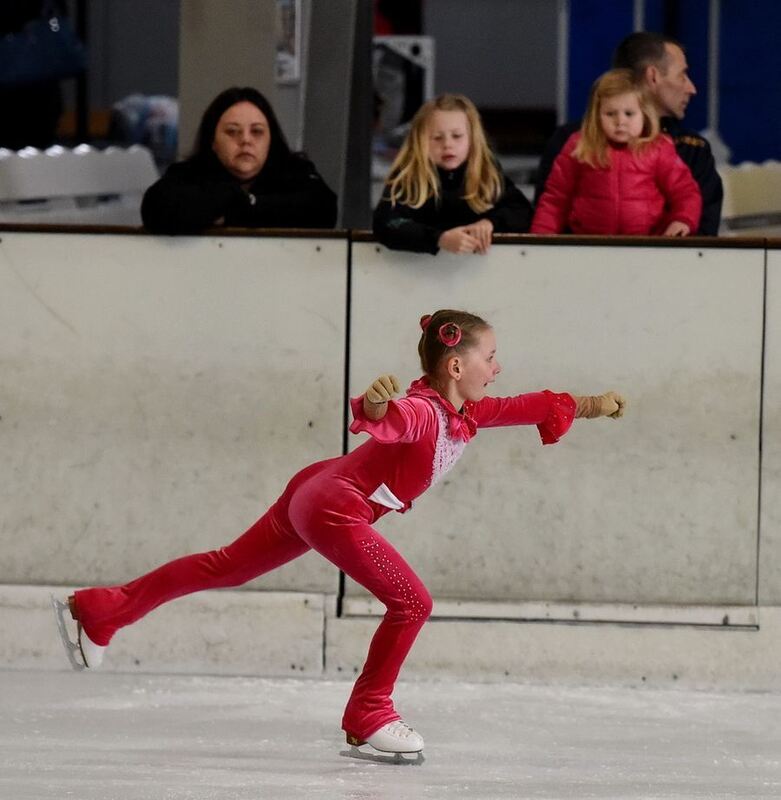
{"x":639,"y":194}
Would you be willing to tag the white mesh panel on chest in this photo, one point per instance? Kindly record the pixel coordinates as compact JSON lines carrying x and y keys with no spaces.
{"x":447,"y":450}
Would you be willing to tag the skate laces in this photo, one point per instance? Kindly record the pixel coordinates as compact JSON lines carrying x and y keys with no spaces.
{"x":400,"y":729}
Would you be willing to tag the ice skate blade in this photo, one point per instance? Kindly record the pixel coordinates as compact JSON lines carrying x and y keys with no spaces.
{"x":71,"y":647}
{"x":401,"y":759}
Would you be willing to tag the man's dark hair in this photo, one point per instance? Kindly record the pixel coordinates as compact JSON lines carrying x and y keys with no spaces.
{"x":642,"y":49}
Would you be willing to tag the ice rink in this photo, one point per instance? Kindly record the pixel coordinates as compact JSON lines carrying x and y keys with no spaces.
{"x":117,"y":737}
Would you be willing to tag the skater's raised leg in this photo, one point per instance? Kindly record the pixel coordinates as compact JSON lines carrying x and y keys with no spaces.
{"x":102,"y":611}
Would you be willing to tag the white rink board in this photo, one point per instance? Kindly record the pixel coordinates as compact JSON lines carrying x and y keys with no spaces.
{"x":658,"y":508}
{"x":158,"y":393}
{"x":770,"y":522}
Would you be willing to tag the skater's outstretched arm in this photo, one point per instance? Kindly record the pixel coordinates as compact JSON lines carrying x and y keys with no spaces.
{"x":552,"y":412}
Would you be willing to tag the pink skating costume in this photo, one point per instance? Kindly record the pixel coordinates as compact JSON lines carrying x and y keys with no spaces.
{"x":331,"y":506}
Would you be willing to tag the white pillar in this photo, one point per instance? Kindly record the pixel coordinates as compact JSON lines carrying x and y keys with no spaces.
{"x":222,"y":45}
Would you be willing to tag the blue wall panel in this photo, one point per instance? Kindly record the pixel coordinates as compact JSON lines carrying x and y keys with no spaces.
{"x":596,"y":26}
{"x":749,"y":62}
{"x":750,"y":79}
{"x":654,"y":15}
{"x":689,"y":25}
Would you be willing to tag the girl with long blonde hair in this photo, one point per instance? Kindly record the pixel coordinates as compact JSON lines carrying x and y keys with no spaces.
{"x":618,"y":174}
{"x":445,"y":189}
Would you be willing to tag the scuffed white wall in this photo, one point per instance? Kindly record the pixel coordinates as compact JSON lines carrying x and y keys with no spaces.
{"x":657,"y":508}
{"x":157,"y":394}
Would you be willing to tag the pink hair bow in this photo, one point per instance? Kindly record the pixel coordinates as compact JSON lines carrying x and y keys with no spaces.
{"x":449,"y":334}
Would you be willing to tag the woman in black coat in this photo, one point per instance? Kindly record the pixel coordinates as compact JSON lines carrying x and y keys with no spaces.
{"x":241,"y":174}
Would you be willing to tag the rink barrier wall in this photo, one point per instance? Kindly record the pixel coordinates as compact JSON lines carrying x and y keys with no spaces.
{"x":157,"y":392}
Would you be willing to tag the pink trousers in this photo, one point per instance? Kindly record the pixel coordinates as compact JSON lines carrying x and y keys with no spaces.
{"x":326,"y":515}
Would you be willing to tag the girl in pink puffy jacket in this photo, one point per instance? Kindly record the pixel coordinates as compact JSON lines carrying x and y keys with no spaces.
{"x":618,"y":174}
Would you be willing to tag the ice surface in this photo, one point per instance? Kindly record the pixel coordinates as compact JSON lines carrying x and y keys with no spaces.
{"x":117,"y":737}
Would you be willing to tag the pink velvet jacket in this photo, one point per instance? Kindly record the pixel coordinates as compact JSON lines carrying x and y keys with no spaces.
{"x":638,"y":194}
{"x":422,"y":435}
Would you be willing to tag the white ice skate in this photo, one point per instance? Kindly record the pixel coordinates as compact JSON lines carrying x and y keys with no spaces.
{"x":394,"y":743}
{"x":83,"y":653}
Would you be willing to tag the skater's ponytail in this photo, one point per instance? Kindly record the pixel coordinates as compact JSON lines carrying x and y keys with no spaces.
{"x":444,"y":332}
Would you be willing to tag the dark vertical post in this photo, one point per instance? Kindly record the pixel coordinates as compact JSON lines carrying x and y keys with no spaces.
{"x":82,"y":99}
{"x":338,"y":103}
{"x":670,"y":18}
{"x":356,"y":207}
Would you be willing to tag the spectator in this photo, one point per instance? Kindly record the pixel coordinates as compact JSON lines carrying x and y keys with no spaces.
{"x":618,"y":174}
{"x":241,"y":174}
{"x":445,"y":190}
{"x":659,"y":62}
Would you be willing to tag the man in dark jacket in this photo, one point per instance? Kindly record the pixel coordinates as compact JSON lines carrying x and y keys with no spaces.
{"x":659,"y":61}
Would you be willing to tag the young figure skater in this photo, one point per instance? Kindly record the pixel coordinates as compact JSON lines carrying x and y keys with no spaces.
{"x":332,"y":505}
{"x":619,"y":174}
{"x":445,"y":189}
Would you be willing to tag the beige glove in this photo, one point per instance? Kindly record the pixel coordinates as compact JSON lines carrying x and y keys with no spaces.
{"x":382,"y":389}
{"x":610,"y":404}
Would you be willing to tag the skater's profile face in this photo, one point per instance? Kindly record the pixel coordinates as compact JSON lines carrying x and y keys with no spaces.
{"x":242,"y":140}
{"x":448,"y":139}
{"x":477,"y":367}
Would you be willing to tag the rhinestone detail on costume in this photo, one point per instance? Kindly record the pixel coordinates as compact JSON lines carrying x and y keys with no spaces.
{"x":447,"y":450}
{"x":415,"y":608}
